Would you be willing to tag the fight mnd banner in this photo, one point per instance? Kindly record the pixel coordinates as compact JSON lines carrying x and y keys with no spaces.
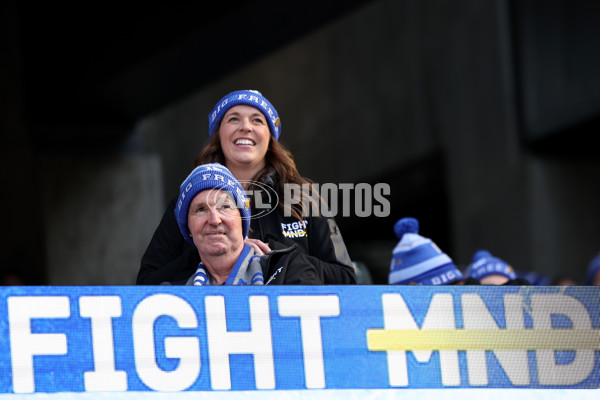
{"x":227,"y":339}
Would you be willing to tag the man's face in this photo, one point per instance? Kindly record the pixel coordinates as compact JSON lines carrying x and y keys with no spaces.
{"x":495,"y":279}
{"x":596,"y":281}
{"x":215,"y":223}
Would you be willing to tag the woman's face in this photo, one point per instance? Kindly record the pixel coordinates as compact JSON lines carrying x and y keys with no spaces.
{"x":244,"y":136}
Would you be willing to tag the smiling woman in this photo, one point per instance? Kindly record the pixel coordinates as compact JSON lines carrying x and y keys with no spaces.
{"x":244,"y":136}
{"x":244,"y":130}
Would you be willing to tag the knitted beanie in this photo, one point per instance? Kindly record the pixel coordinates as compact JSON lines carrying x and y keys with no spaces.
{"x":534,"y":278}
{"x":251,"y":98}
{"x":484,"y":264}
{"x":416,"y":260}
{"x":210,"y":176}
{"x":593,"y":269}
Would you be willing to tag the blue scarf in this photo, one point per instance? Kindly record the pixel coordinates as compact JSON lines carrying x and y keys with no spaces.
{"x":246,"y":271}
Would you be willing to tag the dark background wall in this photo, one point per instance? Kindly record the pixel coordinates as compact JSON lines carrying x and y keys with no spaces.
{"x":480,"y":115}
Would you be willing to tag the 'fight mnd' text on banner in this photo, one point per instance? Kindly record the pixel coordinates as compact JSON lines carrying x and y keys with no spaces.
{"x":169,"y":338}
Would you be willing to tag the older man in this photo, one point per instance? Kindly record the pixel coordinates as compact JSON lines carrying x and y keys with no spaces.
{"x":213,"y":213}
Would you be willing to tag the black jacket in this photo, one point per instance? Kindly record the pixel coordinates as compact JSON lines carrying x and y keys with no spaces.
{"x":170,"y":258}
{"x":289,"y":267}
{"x":282,"y":267}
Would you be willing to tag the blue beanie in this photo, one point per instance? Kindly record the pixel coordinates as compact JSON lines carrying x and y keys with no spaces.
{"x":251,"y":98}
{"x":534,"y":278}
{"x":593,"y":269}
{"x":210,"y":176}
{"x":484,"y":264}
{"x":417,"y":260}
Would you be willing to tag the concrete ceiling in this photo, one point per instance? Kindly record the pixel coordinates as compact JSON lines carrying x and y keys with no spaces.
{"x":90,"y":70}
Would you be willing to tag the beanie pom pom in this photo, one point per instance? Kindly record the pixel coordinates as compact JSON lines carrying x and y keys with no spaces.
{"x":479,"y":254}
{"x":406,"y":225}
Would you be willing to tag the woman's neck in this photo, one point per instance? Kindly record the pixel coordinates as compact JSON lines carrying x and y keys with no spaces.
{"x":245,"y":172}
